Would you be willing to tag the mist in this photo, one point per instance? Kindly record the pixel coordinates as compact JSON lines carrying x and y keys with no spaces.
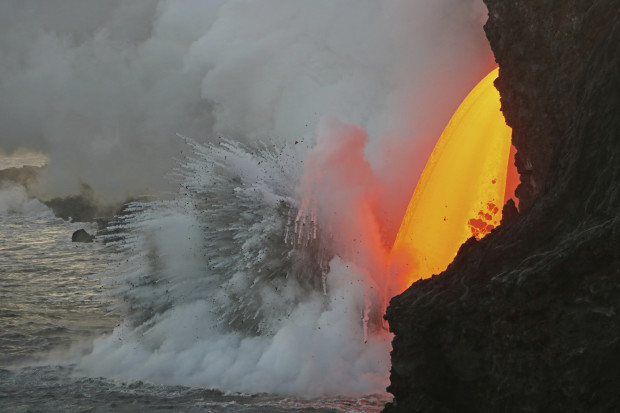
{"x":291,"y":135}
{"x":101,"y":88}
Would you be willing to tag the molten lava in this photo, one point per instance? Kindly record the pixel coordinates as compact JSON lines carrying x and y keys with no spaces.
{"x":461,"y":191}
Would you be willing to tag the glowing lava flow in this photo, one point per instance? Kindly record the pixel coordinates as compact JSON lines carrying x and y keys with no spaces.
{"x":460,"y":192}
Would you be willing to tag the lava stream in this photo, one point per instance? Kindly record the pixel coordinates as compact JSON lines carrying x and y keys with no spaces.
{"x":461,"y":191}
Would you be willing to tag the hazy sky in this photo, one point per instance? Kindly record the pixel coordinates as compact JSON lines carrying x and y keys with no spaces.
{"x":103,"y":86}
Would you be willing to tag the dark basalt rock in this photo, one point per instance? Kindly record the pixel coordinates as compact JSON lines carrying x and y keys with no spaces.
{"x":82,"y":207}
{"x":74,"y":207}
{"x":25,"y":175}
{"x":528,"y":318}
{"x":82,"y":236}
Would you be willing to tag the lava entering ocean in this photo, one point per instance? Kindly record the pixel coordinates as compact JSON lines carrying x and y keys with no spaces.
{"x":461,"y":191}
{"x":263,"y":276}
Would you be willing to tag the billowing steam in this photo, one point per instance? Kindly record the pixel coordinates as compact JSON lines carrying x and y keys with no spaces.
{"x":264,"y":273}
{"x":222,"y":288}
{"x":103,"y":87}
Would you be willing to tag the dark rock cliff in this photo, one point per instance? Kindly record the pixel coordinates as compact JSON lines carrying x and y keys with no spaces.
{"x":528,"y":318}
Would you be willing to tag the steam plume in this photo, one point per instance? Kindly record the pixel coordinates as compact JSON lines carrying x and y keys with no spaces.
{"x":210,"y":293}
{"x":102,"y":87}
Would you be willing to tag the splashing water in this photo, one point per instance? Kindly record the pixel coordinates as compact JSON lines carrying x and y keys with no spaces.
{"x":225,"y":287}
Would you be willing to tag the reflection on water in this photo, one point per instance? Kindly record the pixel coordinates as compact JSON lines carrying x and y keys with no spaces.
{"x":53,"y":389}
{"x":48,"y":297}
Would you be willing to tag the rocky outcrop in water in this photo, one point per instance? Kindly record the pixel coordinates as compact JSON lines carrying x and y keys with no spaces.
{"x":528,"y":318}
{"x":82,"y":236}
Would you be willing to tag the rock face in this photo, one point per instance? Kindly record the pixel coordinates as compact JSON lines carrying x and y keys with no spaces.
{"x":528,"y":318}
{"x":82,"y":236}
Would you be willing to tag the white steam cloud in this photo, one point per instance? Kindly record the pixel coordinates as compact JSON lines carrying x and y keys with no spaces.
{"x":102,"y":87}
{"x":213,"y":291}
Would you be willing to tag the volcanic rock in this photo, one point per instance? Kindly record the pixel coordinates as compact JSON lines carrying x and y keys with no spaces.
{"x":82,"y":236}
{"x":25,"y":176}
{"x":82,"y":207}
{"x":528,"y":318}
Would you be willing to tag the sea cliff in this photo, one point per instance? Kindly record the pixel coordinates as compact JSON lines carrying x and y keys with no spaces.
{"x":528,"y":318}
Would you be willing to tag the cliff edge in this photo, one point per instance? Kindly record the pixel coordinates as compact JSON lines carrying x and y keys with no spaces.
{"x":528,"y":318}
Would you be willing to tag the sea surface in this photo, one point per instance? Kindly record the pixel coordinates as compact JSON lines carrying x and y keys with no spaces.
{"x":53,"y":304}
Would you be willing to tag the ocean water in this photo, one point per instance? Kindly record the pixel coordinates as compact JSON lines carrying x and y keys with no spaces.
{"x":46,"y":296}
{"x":216,"y":300}
{"x":52,"y":302}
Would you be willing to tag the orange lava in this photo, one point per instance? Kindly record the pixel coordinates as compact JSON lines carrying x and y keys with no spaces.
{"x":461,"y":191}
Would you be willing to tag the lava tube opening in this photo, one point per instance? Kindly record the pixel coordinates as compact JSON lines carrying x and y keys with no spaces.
{"x":461,"y":191}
